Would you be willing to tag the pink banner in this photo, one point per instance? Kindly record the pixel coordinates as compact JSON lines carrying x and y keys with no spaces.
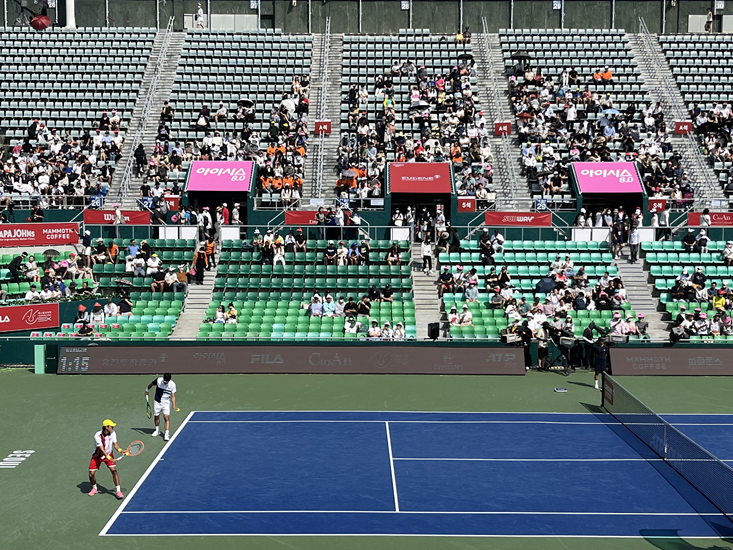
{"x":607,"y":177}
{"x":208,"y":175}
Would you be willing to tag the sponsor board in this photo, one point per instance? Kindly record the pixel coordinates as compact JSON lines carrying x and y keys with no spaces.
{"x":33,"y":234}
{"x":300,"y":217}
{"x":607,"y":391}
{"x":671,"y":361}
{"x":107,"y":217}
{"x":607,"y":177}
{"x":420,"y":177}
{"x":523,"y":219}
{"x":375,"y":359}
{"x":717,"y":219}
{"x":209,"y":175}
{"x":30,"y":317}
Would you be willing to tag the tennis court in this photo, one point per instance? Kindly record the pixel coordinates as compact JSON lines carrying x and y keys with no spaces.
{"x":346,"y":473}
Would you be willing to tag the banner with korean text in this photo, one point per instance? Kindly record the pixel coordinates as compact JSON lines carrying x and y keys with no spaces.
{"x":211,"y":175}
{"x":30,"y":317}
{"x":38,"y":234}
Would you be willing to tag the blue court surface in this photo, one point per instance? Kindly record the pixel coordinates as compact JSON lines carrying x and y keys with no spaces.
{"x":432,"y":474}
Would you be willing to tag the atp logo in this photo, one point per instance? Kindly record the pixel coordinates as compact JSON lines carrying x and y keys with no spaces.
{"x":32,"y":317}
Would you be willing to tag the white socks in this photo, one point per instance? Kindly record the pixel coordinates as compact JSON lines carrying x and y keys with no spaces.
{"x":94,"y":486}
{"x":117,"y":487}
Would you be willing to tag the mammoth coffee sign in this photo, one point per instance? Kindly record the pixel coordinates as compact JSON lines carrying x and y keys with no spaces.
{"x":376,"y":359}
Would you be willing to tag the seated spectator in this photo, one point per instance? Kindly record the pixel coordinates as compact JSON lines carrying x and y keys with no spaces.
{"x":85,"y":290}
{"x":375,"y":333}
{"x":393,"y":255}
{"x":351,"y":326}
{"x":329,"y":307}
{"x":701,"y":242}
{"x":399,"y":332}
{"x":330,"y":255}
{"x":466,"y":317}
{"x":231,"y":315}
{"x":353,"y":255}
{"x":728,"y":253}
{"x":339,"y":307}
{"x":342,"y":254}
{"x":170,"y":279}
{"x":387,"y":294}
{"x":158,"y":284}
{"x":364,"y":308}
{"x":689,"y":241}
{"x":181,"y":282}
{"x":220,"y":317}
{"x":315,"y":309}
{"x":453,"y":317}
{"x":446,"y":282}
{"x":96,"y":316}
{"x":124,"y":306}
{"x":110,"y":308}
{"x":32,"y":294}
{"x":300,"y":241}
{"x":81,"y":314}
{"x":387,"y":333}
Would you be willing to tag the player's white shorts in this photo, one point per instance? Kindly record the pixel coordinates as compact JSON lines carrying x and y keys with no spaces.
{"x":164,"y":407}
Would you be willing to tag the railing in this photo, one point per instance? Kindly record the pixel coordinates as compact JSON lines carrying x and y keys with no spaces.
{"x":498,"y":105}
{"x":318,"y":191}
{"x":147,"y":108}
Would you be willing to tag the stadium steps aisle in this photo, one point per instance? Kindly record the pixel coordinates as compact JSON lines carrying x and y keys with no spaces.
{"x":162,"y":94}
{"x":427,"y":304}
{"x":332,"y":113}
{"x":639,"y":294}
{"x":701,"y":174}
{"x":197,"y":302}
{"x":497,"y":107}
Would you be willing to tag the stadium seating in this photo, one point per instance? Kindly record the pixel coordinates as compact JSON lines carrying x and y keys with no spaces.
{"x":272,"y":301}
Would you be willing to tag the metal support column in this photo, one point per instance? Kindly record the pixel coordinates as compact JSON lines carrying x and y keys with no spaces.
{"x":410,"y":14}
{"x":562,"y":14}
{"x":460,"y":15}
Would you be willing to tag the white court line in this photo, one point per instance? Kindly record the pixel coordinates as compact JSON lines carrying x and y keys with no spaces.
{"x":399,"y":422}
{"x":391,"y":467}
{"x":533,"y":459}
{"x":417,"y":512}
{"x":305,"y":411}
{"x":282,"y":535}
{"x":140,"y":481}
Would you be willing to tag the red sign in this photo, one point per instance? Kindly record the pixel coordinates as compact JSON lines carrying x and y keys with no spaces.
{"x":107,"y":217}
{"x":172,"y":202}
{"x":657,"y":205}
{"x":36,"y":234}
{"x":523,"y":219}
{"x":717,"y":219}
{"x":300,"y":217}
{"x":420,"y":177}
{"x":683,"y":127}
{"x":502,"y":128}
{"x":466,"y":205}
{"x":323,"y":127}
{"x":31,"y":317}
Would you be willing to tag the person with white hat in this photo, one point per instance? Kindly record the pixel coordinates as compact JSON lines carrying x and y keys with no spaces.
{"x":235,"y":215}
{"x":399,"y":332}
{"x":466,"y":318}
{"x":387,"y":333}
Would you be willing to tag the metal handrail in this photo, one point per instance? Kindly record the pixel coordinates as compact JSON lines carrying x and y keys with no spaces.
{"x":147,"y":108}
{"x":318,"y":191}
{"x":498,"y":104}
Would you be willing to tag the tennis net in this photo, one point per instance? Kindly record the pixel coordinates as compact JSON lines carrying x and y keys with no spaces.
{"x":710,"y":475}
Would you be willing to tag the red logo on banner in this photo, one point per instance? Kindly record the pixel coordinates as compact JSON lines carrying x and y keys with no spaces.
{"x":526,"y":219}
{"x":31,"y":317}
{"x":502,"y":128}
{"x":657,"y":205}
{"x":466,"y":205}
{"x":684,"y":127}
{"x":32,"y":234}
{"x":107,"y":217}
{"x":173,"y":203}
{"x":420,"y":177}
{"x":717,"y":219}
{"x":300,"y":217}
{"x":323,"y":127}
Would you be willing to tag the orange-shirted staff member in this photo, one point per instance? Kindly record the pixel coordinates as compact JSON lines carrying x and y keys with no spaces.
{"x":104,"y":440}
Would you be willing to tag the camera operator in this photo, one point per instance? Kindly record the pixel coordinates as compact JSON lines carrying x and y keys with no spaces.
{"x":555,"y":335}
{"x":588,"y":343}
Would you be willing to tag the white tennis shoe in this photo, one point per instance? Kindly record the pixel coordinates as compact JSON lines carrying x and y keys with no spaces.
{"x":156,"y":433}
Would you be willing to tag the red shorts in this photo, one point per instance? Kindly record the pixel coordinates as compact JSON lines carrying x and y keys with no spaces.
{"x":96,"y":462}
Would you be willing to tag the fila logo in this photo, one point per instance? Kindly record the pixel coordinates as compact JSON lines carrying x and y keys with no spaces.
{"x":5,"y":319}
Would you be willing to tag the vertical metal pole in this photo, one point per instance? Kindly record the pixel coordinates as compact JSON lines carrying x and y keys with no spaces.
{"x":664,"y":16}
{"x":208,"y":14}
{"x":410,"y":13}
{"x":70,"y":14}
{"x":460,"y":15}
{"x":5,"y":12}
{"x":613,"y":14}
{"x":157,"y":13}
{"x":259,"y":8}
{"x":359,"y":16}
{"x":511,"y":15}
{"x":310,"y":18}
{"x":562,"y":14}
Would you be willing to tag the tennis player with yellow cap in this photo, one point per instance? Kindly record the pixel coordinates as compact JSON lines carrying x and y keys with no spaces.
{"x":104,"y":440}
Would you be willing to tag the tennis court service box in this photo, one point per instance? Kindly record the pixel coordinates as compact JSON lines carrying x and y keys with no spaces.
{"x":376,"y":359}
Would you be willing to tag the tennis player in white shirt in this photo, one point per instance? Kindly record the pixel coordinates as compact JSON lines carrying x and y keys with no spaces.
{"x":165,"y":393}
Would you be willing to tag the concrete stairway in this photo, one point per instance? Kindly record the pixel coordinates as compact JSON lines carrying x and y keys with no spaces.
{"x":511,"y":189}
{"x":639,"y":294}
{"x":427,"y":304}
{"x":162,"y":94}
{"x":653,"y":66}
{"x":332,"y":112}
{"x":197,"y":302}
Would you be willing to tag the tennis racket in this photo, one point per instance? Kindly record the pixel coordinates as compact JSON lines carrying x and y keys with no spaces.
{"x":133,"y":449}
{"x":147,"y":406}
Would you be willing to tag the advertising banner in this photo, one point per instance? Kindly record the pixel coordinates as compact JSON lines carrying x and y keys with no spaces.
{"x":717,"y":219}
{"x":270,"y":358}
{"x":38,"y":234}
{"x":210,"y":175}
{"x":657,"y":205}
{"x":300,"y":217}
{"x":672,"y":361}
{"x":607,"y":177}
{"x":420,"y":177}
{"x":107,"y":217}
{"x":521,"y":219}
{"x":30,"y":317}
